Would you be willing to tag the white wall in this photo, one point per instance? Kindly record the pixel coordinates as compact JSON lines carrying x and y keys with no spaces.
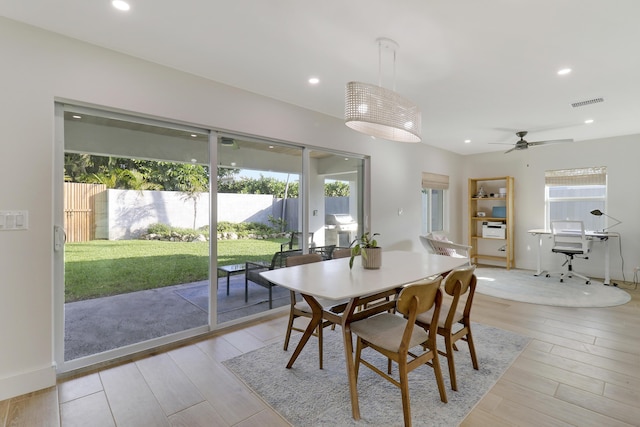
{"x":620,"y":155}
{"x":39,"y":67}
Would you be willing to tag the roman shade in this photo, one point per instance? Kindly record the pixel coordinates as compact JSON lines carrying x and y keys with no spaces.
{"x":435,"y":181}
{"x":578,"y":176}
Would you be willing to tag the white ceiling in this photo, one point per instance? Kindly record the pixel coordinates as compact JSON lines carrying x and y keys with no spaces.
{"x":479,"y":69}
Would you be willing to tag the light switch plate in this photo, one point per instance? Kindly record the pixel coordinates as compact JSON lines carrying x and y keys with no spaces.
{"x":14,"y":220}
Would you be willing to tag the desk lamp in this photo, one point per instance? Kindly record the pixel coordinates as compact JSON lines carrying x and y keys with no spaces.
{"x":598,"y":212}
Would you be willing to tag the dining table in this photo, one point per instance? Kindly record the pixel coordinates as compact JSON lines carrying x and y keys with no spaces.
{"x":349,"y":288}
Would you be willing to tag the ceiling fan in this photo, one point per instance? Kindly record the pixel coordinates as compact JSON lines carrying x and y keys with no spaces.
{"x":523,"y":144}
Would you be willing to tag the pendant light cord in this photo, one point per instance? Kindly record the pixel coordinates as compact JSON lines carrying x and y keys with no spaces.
{"x":380,"y":65}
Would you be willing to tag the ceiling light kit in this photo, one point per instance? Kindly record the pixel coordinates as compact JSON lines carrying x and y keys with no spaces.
{"x":380,"y":112}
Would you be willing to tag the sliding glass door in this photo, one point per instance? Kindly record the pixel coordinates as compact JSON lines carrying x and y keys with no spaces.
{"x":136,"y":226}
{"x":133,"y":235}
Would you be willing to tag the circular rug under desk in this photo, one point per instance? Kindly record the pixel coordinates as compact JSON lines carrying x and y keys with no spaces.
{"x":523,"y":286}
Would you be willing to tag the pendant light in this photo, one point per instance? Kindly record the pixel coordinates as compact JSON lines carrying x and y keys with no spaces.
{"x":380,"y":112}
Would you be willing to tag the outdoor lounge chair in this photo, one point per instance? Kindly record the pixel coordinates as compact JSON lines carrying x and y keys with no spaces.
{"x":440,"y":245}
{"x":253,"y":270}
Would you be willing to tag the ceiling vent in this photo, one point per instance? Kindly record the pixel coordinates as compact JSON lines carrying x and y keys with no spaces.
{"x":587,"y":102}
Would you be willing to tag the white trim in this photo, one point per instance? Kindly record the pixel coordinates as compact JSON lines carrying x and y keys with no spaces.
{"x":27,"y":382}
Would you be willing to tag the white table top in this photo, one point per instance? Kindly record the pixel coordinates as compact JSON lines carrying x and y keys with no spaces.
{"x":334,"y":280}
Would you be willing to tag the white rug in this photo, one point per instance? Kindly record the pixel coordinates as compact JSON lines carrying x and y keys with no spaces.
{"x":523,"y":286}
{"x":307,"y":396}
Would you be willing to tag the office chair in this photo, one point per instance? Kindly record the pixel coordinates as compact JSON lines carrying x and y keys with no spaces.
{"x":570,"y":240}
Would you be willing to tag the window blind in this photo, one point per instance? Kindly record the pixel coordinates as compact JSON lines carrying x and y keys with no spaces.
{"x":435,"y":181}
{"x":578,"y":176}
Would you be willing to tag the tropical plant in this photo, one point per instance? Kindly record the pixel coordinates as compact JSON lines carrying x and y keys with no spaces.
{"x":361,"y":244}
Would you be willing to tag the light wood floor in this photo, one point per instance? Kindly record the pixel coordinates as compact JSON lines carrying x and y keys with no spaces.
{"x":582,"y":368}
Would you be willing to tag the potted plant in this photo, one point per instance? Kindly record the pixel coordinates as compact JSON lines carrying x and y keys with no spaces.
{"x":367,"y":246}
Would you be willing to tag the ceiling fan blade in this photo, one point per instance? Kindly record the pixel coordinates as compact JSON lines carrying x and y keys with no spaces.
{"x":554,"y":141}
{"x":501,"y":143}
{"x":508,"y":151}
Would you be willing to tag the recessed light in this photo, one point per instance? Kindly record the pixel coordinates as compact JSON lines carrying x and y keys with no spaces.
{"x":467,"y":141}
{"x":314,"y":80}
{"x":193,"y":135}
{"x":271,"y":146}
{"x":75,"y":116}
{"x":564,"y":71}
{"x":588,"y":121}
{"x":120,"y":5}
{"x":194,"y":161}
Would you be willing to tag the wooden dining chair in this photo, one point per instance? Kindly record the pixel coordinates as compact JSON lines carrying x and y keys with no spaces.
{"x":301,"y":308}
{"x":454,"y":323}
{"x":341,"y":253}
{"x":394,"y":336}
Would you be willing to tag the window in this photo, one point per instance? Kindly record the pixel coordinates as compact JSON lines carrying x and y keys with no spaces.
{"x":434,"y":202}
{"x":571,"y":194}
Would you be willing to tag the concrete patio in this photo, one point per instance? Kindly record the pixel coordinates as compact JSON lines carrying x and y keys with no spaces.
{"x":102,"y":324}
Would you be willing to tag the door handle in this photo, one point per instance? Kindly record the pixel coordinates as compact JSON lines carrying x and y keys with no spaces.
{"x":59,"y":238}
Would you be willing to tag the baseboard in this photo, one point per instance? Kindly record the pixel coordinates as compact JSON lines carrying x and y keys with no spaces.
{"x":27,"y":382}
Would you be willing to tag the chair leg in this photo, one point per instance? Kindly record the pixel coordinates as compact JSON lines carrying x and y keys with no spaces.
{"x":438,"y":374}
{"x":356,"y":363}
{"x":404,"y":388}
{"x":472,"y":349}
{"x":448,"y":345}
{"x":289,"y":328}
{"x":319,"y":332}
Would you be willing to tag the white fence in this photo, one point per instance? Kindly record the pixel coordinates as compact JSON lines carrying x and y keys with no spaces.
{"x":130,"y":212}
{"x":126,"y":214}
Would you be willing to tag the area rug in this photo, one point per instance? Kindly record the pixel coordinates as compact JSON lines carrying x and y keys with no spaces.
{"x":523,"y":286}
{"x":308,"y":396}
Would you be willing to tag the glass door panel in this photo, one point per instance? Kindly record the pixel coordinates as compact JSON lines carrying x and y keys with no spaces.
{"x":259,"y":214}
{"x":336,"y":197}
{"x":136,"y":217}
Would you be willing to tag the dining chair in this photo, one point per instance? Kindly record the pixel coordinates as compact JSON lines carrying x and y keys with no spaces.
{"x":454,"y":323}
{"x":341,"y":253}
{"x":394,"y":336}
{"x":301,"y":308}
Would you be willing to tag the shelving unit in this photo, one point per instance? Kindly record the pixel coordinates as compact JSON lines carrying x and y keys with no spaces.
{"x":493,"y":249}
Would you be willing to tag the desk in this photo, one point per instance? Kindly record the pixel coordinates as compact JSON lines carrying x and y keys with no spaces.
{"x":602,"y":236}
{"x":333,"y":280}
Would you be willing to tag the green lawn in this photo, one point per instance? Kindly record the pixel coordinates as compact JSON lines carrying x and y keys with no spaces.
{"x":106,"y":267}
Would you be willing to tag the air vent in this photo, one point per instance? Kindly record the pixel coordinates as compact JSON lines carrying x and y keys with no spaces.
{"x":587,"y":102}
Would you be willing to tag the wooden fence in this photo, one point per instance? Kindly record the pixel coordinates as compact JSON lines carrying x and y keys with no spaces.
{"x":79,"y":210}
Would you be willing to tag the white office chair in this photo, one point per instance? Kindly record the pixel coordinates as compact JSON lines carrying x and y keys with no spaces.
{"x":570,"y":240}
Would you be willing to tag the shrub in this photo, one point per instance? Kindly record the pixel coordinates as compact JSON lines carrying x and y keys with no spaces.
{"x":159,"y":229}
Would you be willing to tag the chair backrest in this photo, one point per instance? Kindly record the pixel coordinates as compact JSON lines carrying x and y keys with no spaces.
{"x":570,"y":236}
{"x":280,"y":258}
{"x":415,"y":299}
{"x":341,"y":253}
{"x":302,"y":259}
{"x":423,"y":292}
{"x":457,"y":283}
